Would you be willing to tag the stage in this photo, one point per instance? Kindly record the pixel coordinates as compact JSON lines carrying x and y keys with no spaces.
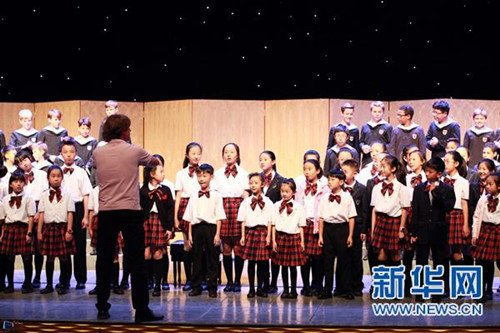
{"x":228,"y":309}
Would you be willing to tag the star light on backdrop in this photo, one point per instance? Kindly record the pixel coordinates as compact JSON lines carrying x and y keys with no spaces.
{"x":128,"y":50}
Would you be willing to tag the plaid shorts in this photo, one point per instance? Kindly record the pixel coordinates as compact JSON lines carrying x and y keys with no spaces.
{"x":488,"y":243}
{"x":230,"y":226}
{"x":14,"y":239}
{"x":255,"y":244}
{"x":386,"y":232}
{"x":54,"y":243}
{"x":154,"y":235}
{"x":289,"y":252}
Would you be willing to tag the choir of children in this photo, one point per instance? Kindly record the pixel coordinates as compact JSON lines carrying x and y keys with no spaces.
{"x":399,"y":204}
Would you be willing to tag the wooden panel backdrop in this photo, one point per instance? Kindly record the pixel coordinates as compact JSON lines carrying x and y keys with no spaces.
{"x":216,"y":123}
{"x":9,"y":117}
{"x":134,"y":110}
{"x":70,"y":111}
{"x":169,"y":128}
{"x":294,"y":126}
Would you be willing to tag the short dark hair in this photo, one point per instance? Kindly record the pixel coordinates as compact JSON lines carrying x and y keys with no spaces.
{"x":22,"y":155}
{"x":341,"y":128}
{"x":85,"y":121}
{"x":312,"y":152}
{"x":16,"y":175}
{"x":408,"y":109}
{"x":346,"y":106}
{"x":114,"y":126}
{"x":205,"y":167}
{"x":453,"y":140}
{"x":442,"y":106}
{"x":67,"y":141}
{"x":351,"y":164}
{"x":256,"y":174}
{"x":290,"y":182}
{"x":490,"y":165}
{"x":496,"y":177}
{"x":435,"y":163}
{"x":337,"y":173}
{"x":54,"y":167}
{"x":490,"y":145}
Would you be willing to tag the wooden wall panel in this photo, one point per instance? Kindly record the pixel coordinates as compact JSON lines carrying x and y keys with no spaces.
{"x":294,"y":126}
{"x":134,"y":110}
{"x":70,"y":114}
{"x":169,"y":128}
{"x":216,"y":123}
{"x":9,"y":116}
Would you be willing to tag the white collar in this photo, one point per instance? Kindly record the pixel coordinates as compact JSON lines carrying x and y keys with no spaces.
{"x":24,"y":132}
{"x":446,"y":123}
{"x":83,"y":141}
{"x":56,"y":131}
{"x":69,"y":166}
{"x":352,"y":185}
{"x":17,"y":195}
{"x":373,"y":124}
{"x":408,"y":128}
{"x":337,"y":149}
{"x":479,"y":131}
{"x":455,"y":176}
{"x":151,"y":187}
{"x":40,"y":165}
{"x":350,"y":127}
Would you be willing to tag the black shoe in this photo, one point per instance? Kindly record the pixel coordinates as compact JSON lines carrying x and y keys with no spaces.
{"x":124,"y":285}
{"x":251,"y":293}
{"x":62,"y":291}
{"x":9,"y":290}
{"x":146,"y":316}
{"x":118,"y":290}
{"x":228,"y":288}
{"x":358,"y":293}
{"x":285,"y":295}
{"x":325,"y":295}
{"x":27,"y":289}
{"x":212,"y":292}
{"x":103,"y":314}
{"x":306,"y":292}
{"x":47,"y":290}
{"x":237,"y":287}
{"x":165,"y":286}
{"x":93,"y":291}
{"x":36,"y":283}
{"x":261,"y":293}
{"x":195,"y":292}
{"x":80,"y":286}
{"x":157,"y":291}
{"x":272,"y":290}
{"x":293,"y":294}
{"x":348,"y":296}
{"x":187,"y":287}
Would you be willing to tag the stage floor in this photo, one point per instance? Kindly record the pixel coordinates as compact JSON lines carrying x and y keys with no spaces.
{"x":227,"y":309}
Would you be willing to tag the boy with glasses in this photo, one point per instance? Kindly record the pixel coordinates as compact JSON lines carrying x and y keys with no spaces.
{"x":406,"y":133}
{"x":441,"y":129}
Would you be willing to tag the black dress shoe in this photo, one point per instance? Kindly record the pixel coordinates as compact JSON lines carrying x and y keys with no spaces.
{"x":212,"y":292}
{"x":9,"y":290}
{"x":195,"y":292}
{"x":146,"y":316}
{"x":251,"y":293}
{"x":80,"y":286}
{"x":187,"y":287}
{"x":348,"y":296}
{"x":272,"y":290}
{"x":27,"y":289}
{"x":306,"y":292}
{"x":118,"y":290}
{"x":124,"y":285}
{"x":325,"y":295}
{"x":237,"y":287}
{"x":228,"y":288}
{"x":36,"y":283}
{"x":157,"y":291}
{"x":62,"y":291}
{"x":285,"y":295}
{"x":261,"y":293}
{"x":293,"y":294}
{"x":93,"y":291}
{"x":103,"y":314}
{"x":47,"y":290}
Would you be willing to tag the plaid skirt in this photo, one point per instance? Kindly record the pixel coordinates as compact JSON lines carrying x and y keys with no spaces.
{"x":230,"y":226}
{"x":455,"y":218}
{"x":311,"y":239}
{"x":255,"y":244}
{"x":386,"y":232}
{"x":488,"y":243}
{"x":154,"y":235}
{"x":93,"y":241}
{"x":183,"y":225}
{"x":14,"y":239}
{"x":54,"y":243}
{"x":289,"y":252}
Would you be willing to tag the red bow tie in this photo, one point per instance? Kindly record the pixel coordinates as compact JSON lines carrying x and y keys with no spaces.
{"x":204,"y":193}
{"x":492,"y":204}
{"x":311,"y":188}
{"x":450,"y":181}
{"x":257,"y":201}
{"x":387,"y":187}
{"x":427,"y":187}
{"x":55,"y":193}
{"x":156,"y":192}
{"x":288,"y":206}
{"x":268,"y":179}
{"x":230,"y":171}
{"x":192,"y":170}
{"x":377,"y":180}
{"x":70,"y":170}
{"x":15,"y":200}
{"x":29,"y":177}
{"x":348,"y":189}
{"x":416,"y":180}
{"x":335,"y":197}
{"x":482,"y":186}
